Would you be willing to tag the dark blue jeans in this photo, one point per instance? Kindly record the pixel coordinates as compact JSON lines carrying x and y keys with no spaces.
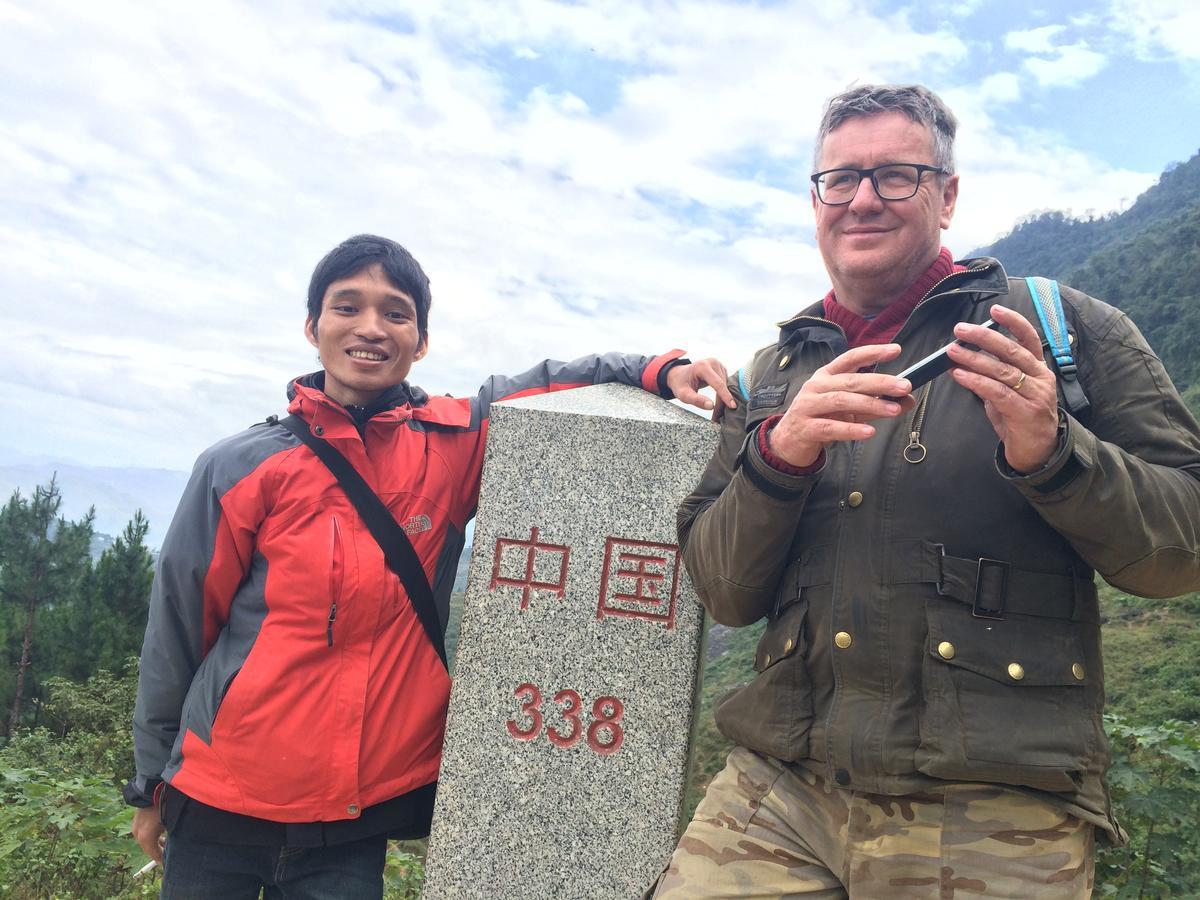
{"x":198,"y":870}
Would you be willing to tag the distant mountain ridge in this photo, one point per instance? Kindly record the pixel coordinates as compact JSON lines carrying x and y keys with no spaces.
{"x":1145,"y":261}
{"x":1051,"y":241}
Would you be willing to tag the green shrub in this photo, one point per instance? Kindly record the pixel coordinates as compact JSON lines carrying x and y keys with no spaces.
{"x":1155,"y":783}
{"x":64,"y":829}
{"x":66,"y":835}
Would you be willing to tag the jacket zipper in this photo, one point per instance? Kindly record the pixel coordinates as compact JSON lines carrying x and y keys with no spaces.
{"x":335,"y":576}
{"x":915,"y":452}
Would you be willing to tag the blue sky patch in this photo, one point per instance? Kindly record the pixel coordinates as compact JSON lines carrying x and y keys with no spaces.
{"x":560,"y":70}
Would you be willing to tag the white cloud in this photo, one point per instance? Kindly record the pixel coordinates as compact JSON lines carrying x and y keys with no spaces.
{"x":171,"y":176}
{"x":1001,"y":87}
{"x":1072,"y":64}
{"x":1159,"y":28}
{"x":1034,"y":40}
{"x":1064,"y":64}
{"x":1006,"y":176}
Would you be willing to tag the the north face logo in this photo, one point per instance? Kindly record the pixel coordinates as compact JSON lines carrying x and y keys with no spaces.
{"x":417,"y":524}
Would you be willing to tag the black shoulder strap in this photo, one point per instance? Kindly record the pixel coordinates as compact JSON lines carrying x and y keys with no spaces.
{"x":397,"y":549}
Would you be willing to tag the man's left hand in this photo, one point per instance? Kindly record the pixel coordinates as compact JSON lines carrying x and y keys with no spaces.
{"x":685,"y":382}
{"x":1018,"y":390}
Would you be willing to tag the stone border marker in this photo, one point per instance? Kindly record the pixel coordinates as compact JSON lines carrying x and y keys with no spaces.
{"x":575,"y":679}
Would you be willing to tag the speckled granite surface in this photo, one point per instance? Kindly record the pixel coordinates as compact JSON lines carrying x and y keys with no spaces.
{"x":575,"y":586}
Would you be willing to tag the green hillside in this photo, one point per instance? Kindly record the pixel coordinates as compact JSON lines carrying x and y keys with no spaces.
{"x":1054,"y":242}
{"x":1145,"y":261}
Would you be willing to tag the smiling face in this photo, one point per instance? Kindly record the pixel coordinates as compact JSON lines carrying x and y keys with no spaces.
{"x":366,"y":337}
{"x":875,"y":249}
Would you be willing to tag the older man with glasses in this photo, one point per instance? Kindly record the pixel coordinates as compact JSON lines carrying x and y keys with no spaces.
{"x":925,"y":720}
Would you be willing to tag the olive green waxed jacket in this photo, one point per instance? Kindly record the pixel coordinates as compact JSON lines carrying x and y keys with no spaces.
{"x":932,"y":614}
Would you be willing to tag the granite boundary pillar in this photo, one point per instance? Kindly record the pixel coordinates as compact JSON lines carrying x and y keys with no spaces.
{"x":575,"y":680}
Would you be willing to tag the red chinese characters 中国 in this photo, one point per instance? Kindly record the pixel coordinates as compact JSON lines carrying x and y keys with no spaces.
{"x":640,"y":580}
{"x":536,"y":558}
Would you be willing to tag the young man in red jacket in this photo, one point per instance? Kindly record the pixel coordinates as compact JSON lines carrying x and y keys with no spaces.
{"x":291,"y":706}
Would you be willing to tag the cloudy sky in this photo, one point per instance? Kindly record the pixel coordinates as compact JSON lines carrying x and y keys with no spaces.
{"x":574,"y":176}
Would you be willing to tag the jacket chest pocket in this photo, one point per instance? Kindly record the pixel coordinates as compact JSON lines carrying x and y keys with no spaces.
{"x":772,"y":398}
{"x":1009,"y":700}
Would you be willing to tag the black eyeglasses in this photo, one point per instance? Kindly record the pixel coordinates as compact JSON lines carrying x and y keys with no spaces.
{"x":895,"y":181}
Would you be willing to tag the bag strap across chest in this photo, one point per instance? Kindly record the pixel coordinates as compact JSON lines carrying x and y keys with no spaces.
{"x":397,"y":549}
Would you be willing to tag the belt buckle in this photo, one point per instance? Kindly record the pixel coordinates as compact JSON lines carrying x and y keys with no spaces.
{"x":1001,"y":569}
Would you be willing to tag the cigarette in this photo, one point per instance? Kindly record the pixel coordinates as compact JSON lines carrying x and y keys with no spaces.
{"x":146,"y":869}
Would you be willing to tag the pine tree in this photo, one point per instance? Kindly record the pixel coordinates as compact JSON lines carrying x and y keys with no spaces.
{"x":42,"y":557}
{"x":121,"y":598}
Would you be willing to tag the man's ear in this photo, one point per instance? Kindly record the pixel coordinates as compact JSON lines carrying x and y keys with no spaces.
{"x":422,"y":349}
{"x":310,"y":330}
{"x":949,"y":199}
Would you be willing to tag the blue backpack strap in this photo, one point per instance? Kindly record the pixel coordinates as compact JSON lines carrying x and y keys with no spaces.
{"x":1048,"y":303}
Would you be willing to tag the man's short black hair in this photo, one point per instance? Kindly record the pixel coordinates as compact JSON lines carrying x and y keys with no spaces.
{"x":353,"y":255}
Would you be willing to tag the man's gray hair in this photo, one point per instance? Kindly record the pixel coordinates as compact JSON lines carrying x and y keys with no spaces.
{"x":919,"y":103}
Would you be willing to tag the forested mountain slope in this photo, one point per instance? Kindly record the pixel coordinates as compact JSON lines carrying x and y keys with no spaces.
{"x":1145,"y":261}
{"x":1054,"y":242}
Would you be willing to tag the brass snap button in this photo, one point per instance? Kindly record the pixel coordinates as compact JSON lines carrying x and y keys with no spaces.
{"x":1077,"y":671}
{"x":946,"y":650}
{"x":843,"y":639}
{"x":855,"y":499}
{"x":1016,"y":671}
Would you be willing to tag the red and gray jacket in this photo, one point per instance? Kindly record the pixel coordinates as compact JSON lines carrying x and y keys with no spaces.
{"x":284,"y":674}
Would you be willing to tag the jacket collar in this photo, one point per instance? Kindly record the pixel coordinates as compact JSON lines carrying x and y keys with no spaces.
{"x":402,"y":394}
{"x":307,"y":398}
{"x":985,"y":279}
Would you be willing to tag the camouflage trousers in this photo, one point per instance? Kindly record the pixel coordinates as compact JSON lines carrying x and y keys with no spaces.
{"x":765,"y":829}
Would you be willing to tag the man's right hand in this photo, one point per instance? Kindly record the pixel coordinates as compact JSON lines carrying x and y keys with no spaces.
{"x":836,"y":403}
{"x":148,"y":831}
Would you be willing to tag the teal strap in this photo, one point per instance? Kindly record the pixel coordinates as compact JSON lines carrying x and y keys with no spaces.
{"x":742,"y":384}
{"x":1048,"y":303}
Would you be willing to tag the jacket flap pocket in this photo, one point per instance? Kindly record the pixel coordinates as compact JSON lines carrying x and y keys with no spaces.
{"x":782,"y":638}
{"x":1012,"y":651}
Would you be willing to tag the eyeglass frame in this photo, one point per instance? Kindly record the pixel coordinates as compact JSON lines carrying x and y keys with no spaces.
{"x":865,"y":174}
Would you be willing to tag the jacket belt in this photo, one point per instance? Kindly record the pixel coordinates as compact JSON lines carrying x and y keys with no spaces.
{"x":993,"y":588}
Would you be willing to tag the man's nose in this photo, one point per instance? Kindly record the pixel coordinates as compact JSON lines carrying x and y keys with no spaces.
{"x":369,"y":325}
{"x":866,"y":198}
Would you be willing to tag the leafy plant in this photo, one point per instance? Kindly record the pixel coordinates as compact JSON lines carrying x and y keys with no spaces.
{"x":64,"y":829}
{"x":1155,"y":783}
{"x":65,"y":835}
{"x":404,"y":871}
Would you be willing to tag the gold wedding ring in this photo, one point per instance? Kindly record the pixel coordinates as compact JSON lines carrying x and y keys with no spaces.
{"x":1020,"y":381}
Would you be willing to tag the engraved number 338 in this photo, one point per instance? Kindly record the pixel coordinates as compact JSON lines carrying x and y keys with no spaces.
{"x":607,"y":713}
